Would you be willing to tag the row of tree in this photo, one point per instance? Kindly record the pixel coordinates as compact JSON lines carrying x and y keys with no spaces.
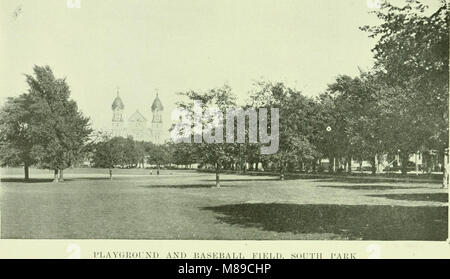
{"x":122,"y":152}
{"x":399,"y":107}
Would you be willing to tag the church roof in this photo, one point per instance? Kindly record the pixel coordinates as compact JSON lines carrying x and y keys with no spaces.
{"x":137,"y":117}
{"x":157,"y":105}
{"x":117,"y":103}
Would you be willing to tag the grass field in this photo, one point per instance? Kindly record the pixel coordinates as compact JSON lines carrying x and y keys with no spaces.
{"x":185,"y":205}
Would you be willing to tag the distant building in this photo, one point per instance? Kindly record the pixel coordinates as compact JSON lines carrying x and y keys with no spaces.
{"x":137,"y":125}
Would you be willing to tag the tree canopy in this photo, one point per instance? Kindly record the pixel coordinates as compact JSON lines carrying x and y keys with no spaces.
{"x":43,"y":126}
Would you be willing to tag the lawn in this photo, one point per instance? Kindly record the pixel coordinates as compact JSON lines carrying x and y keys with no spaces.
{"x":185,"y":205}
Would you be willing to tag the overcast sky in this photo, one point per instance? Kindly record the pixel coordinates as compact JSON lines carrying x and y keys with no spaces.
{"x":177,"y":45}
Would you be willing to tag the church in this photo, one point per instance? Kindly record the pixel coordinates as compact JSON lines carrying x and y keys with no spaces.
{"x":137,"y":124}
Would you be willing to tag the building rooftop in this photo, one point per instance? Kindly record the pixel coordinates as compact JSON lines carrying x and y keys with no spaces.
{"x":137,"y":117}
{"x":117,"y":103}
{"x":157,"y":105}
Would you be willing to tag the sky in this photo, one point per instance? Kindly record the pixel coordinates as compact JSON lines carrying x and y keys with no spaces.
{"x":170,"y":46}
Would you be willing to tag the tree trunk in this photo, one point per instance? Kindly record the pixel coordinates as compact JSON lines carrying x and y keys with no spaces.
{"x":157,"y":170}
{"x":349,"y":163}
{"x":110,"y":174}
{"x":61,"y":175}
{"x":281,"y":170}
{"x":55,"y":176}
{"x":241,"y":162}
{"x":404,"y":162}
{"x":217,"y":176}
{"x":26,"y":170}
{"x":374,"y":165}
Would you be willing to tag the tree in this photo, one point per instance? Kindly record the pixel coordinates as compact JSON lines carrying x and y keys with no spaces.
{"x":182,"y":154}
{"x":158,"y":154}
{"x":130,"y":152}
{"x":108,"y":153}
{"x":355,"y":114}
{"x":411,"y":58}
{"x":212,"y":153}
{"x":59,"y":130}
{"x":16,"y":140}
{"x":43,"y":126}
{"x":295,"y":127}
{"x":140,"y":153}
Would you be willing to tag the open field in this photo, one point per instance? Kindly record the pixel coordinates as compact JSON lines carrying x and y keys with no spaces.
{"x":185,"y":205}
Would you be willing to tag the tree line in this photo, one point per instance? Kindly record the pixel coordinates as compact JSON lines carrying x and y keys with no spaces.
{"x":397,"y":108}
{"x":122,"y":152}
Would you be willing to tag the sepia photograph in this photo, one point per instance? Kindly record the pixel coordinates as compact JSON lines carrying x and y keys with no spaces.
{"x":224,"y":120}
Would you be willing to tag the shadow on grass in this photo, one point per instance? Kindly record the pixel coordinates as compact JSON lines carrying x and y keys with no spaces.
{"x":95,"y":178}
{"x":48,"y":180}
{"x":242,"y":180}
{"x":268,"y":178}
{"x":352,"y":179}
{"x":183,"y":186}
{"x":370,"y":187}
{"x":367,"y":222}
{"x":31,"y":180}
{"x":435,"y":197}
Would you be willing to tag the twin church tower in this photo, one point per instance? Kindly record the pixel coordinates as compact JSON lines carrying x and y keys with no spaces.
{"x":136,"y":126}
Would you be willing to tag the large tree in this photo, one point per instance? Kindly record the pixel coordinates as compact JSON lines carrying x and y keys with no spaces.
{"x":59,"y":130}
{"x":215,"y":152}
{"x":16,"y":140}
{"x":182,"y":154}
{"x":108,"y":153}
{"x":354,"y":119}
{"x":295,"y":124}
{"x":43,"y":126}
{"x":158,"y":155}
{"x":411,"y":57}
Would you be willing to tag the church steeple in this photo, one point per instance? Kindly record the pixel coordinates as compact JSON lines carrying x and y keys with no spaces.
{"x":157,"y":105}
{"x":117,"y":119}
{"x":117,"y":103}
{"x":157,"y":129}
{"x":157,"y":108}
